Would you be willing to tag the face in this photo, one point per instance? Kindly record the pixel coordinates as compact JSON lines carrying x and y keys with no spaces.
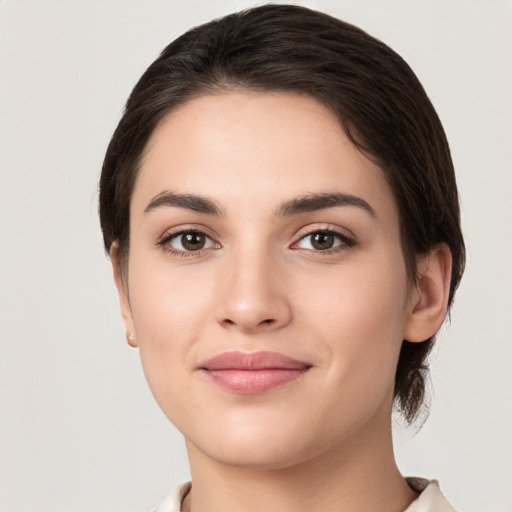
{"x":266,"y":285}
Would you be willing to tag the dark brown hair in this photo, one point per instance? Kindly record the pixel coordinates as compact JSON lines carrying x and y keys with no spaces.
{"x":376,"y":96}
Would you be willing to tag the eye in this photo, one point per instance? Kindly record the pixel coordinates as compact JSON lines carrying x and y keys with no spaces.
{"x":323,"y":241}
{"x":187,"y":241}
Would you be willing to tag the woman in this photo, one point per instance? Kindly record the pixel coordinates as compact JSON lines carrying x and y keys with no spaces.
{"x":281,"y":212}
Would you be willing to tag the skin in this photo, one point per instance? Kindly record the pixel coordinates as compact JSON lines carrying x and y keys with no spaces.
{"x":259,"y":284}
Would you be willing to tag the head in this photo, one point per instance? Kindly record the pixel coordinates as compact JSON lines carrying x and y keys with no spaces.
{"x":370,"y":91}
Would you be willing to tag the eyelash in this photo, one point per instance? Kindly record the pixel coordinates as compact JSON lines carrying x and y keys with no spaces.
{"x":346,"y":242}
{"x":164,"y":242}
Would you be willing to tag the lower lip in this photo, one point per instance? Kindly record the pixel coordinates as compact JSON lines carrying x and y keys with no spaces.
{"x":250,"y":382}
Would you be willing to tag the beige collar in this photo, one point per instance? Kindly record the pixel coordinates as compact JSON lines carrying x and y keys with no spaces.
{"x":430,"y":499}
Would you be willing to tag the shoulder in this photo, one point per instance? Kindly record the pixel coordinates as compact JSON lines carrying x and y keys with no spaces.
{"x":173,"y":502}
{"x":431,"y":499}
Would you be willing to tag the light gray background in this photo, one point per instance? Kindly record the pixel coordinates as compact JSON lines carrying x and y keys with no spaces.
{"x":78,"y":428}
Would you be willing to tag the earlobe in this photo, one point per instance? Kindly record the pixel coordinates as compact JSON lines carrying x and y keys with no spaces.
{"x":429,"y":299}
{"x":122,"y":291}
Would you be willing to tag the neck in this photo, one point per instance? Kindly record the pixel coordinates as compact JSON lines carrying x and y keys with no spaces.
{"x":359,"y":476}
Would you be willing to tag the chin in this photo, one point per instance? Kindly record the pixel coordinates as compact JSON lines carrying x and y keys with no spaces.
{"x":272,"y":454}
{"x":256,"y":439}
{"x":277,"y":431}
{"x":262,"y":442}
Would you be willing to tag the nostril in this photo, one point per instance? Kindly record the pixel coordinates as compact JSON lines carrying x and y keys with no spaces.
{"x":268,"y":321}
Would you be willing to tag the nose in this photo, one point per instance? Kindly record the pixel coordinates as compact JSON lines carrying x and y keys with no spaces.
{"x":253,"y":295}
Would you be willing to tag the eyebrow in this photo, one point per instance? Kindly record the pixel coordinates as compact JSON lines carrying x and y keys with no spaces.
{"x":295,"y":206}
{"x":322,"y":201}
{"x":192,"y":202}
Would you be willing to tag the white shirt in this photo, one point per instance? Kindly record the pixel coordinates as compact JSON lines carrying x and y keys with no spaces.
{"x":430,"y":500}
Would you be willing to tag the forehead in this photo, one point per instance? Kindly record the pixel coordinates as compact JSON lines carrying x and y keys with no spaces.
{"x":247,"y":147}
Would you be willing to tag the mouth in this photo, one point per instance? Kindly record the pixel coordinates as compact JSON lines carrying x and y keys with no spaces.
{"x":252,"y":373}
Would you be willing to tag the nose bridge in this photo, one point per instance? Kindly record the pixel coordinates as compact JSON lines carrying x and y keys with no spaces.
{"x":253,"y":297}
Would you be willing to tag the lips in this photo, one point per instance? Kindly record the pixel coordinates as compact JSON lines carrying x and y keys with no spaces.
{"x":252,"y":373}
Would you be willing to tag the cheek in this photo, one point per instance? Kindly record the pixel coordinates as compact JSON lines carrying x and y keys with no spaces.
{"x":170,"y":310}
{"x":359,"y":315}
{"x":363,"y":295}
{"x":167,"y":301}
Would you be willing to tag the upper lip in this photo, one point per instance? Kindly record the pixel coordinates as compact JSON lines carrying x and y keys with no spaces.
{"x":253,"y":361}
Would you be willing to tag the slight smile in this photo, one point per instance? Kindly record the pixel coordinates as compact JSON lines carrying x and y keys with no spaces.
{"x":252,"y":373}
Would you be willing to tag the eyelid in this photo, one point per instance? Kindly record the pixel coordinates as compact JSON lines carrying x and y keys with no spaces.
{"x":324,"y":228}
{"x":172,"y":233}
{"x":188,"y":228}
{"x":344,"y":234}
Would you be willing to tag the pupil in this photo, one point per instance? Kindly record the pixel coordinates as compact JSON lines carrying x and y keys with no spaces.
{"x":193,"y":241}
{"x":322,"y":241}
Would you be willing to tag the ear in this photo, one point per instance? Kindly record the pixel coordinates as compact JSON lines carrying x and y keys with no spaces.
{"x":429,"y":299}
{"x":122,"y":291}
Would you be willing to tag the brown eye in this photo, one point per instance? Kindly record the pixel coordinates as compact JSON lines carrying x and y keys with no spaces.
{"x":188,"y":241}
{"x":193,"y":241}
{"x":319,"y":241}
{"x":322,"y":241}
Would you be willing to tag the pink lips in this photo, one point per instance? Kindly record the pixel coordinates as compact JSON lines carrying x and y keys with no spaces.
{"x":252,"y":373}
